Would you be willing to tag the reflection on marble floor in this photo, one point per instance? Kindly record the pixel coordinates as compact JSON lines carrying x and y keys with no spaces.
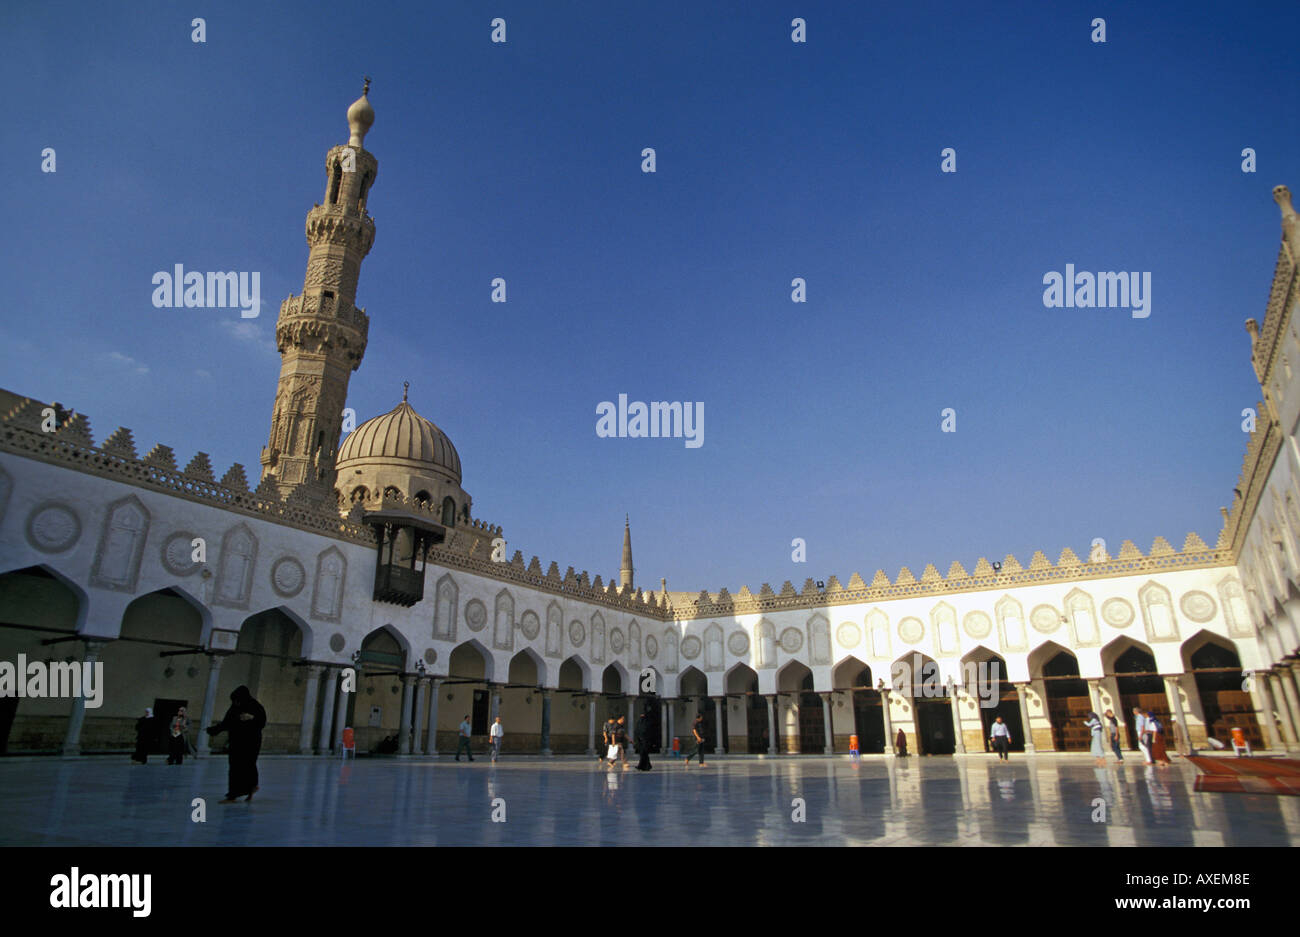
{"x":1043,"y":801}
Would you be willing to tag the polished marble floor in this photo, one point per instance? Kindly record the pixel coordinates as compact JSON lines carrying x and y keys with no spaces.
{"x":963,"y":801}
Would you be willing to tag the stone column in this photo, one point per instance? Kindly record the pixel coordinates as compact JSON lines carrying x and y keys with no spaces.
{"x":1265,"y":702}
{"x":773,"y":747}
{"x":309,"y":708}
{"x":404,"y":725}
{"x":1172,"y":687}
{"x":421,"y":705}
{"x":956,"y":719}
{"x":631,"y":714}
{"x":435,"y":691}
{"x":889,"y":723}
{"x":720,"y":725}
{"x":327,"y":711}
{"x":1094,"y":694}
{"x":495,"y":690}
{"x":204,"y":746}
{"x":671,"y":727}
{"x":546,"y":722}
{"x":1288,"y":709}
{"x":1021,"y":690}
{"x":77,"y":717}
{"x":591,"y":724}
{"x":828,"y":723}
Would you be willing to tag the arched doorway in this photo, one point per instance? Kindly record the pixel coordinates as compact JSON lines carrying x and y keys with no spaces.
{"x":694,"y":694}
{"x":469,"y":669}
{"x":39,"y":605}
{"x":801,"y":720}
{"x":1224,"y":705}
{"x":868,"y":724}
{"x":569,"y":716}
{"x":1068,"y":702}
{"x":984,"y":675}
{"x":1140,"y":685}
{"x":916,"y":676}
{"x":749,"y":730}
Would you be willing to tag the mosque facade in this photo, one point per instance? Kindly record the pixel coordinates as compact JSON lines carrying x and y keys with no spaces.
{"x":353,"y":586}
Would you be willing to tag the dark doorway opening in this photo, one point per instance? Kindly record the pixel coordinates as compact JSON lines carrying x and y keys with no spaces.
{"x":1140,"y":685}
{"x":1225,"y":705}
{"x":482,"y":709}
{"x":1068,"y":704}
{"x":934,"y":735}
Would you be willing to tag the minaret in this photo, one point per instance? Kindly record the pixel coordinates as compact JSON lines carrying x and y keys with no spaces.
{"x":321,"y":334}
{"x":625,"y":573}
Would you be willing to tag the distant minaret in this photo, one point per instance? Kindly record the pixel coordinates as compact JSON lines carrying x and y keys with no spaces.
{"x":321,"y":335}
{"x":625,"y":574}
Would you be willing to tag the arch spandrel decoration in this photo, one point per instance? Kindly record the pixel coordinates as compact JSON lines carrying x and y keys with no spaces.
{"x":235,"y":568}
{"x":878,"y":630}
{"x":446,"y":603}
{"x":1011,"y":624}
{"x":121,"y":546}
{"x":554,"y":630}
{"x":943,"y":623}
{"x":1081,"y":612}
{"x":327,"y":591}
{"x":1158,"y":612}
{"x":503,"y":621}
{"x":819,"y":640}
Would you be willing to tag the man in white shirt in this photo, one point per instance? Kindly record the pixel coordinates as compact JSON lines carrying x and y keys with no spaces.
{"x":1142,"y":729}
{"x":1000,"y":736}
{"x":495,"y":734}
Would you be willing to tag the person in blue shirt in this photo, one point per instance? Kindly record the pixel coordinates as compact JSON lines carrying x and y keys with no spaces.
{"x":1000,"y":736}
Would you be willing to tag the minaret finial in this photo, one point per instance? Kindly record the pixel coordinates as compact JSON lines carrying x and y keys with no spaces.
{"x":406,"y":385}
{"x":366,"y":90}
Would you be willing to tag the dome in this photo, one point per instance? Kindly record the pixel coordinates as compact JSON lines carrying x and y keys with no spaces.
{"x":403,"y":439}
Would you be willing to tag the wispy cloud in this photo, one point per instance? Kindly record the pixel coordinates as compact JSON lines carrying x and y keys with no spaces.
{"x":246,"y":330}
{"x":127,"y":361}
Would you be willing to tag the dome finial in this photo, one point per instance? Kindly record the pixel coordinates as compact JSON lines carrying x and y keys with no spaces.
{"x":406,"y":385}
{"x":361,"y":116}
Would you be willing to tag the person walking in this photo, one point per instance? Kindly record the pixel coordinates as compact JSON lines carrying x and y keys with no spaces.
{"x":621,"y":740}
{"x":1094,"y":725}
{"x":900,"y":743}
{"x":177,"y":742}
{"x":697,"y":732}
{"x":146,"y":732}
{"x":641,"y":738}
{"x":606,"y":742}
{"x":1000,"y":736}
{"x":1112,"y":728}
{"x":495,"y":735}
{"x":244,"y":720}
{"x":463,"y":739}
{"x":1143,"y":734}
{"x":1159,"y":754}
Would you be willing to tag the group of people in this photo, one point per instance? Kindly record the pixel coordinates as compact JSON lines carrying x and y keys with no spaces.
{"x":1150,"y":735}
{"x":496,"y":734}
{"x":147,"y":732}
{"x":244,"y":721}
{"x":614,"y":743}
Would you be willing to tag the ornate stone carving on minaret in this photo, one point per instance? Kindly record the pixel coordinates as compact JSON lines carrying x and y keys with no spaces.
{"x":321,"y":334}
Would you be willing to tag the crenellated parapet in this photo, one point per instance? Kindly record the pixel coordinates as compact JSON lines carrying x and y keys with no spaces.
{"x":1008,"y":573}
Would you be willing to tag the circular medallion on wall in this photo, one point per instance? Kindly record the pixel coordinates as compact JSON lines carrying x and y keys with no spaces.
{"x":431,"y":656}
{"x":616,"y":640}
{"x":475,"y":615}
{"x":651,"y":646}
{"x":977,"y":625}
{"x":1045,"y":619}
{"x":1117,"y":612}
{"x":53,"y":527}
{"x":577,"y":633}
{"x":287,"y":577}
{"x":911,"y":630}
{"x":738,"y":643}
{"x":691,"y":647}
{"x":337,"y":642}
{"x":848,"y":634}
{"x":178,"y":554}
{"x":1197,"y":606}
{"x":791,"y":640}
{"x":530,"y":625}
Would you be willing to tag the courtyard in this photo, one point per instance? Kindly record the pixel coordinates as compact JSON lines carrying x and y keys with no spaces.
{"x":1046,"y":800}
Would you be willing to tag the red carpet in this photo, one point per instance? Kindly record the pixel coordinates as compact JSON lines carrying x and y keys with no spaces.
{"x":1247,"y":775}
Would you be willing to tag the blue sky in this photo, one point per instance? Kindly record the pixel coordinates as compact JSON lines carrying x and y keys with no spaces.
{"x":775,"y":160}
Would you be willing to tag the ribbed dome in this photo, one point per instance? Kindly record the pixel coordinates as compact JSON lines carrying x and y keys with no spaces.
{"x":400,"y":437}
